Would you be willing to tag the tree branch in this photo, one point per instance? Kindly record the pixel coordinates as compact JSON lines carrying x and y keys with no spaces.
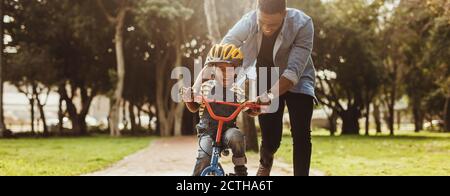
{"x":46,"y":97}
{"x":333,"y":96}
{"x":108,"y":16}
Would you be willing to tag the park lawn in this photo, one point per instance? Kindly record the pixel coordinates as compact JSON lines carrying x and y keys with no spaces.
{"x":420,"y":154}
{"x":64,"y":156}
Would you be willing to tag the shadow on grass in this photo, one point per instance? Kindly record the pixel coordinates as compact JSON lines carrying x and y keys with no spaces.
{"x":412,"y":136}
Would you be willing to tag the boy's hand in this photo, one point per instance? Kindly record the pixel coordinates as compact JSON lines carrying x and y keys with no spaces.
{"x":187,"y":94}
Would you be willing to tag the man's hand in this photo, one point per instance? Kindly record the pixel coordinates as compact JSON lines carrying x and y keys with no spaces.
{"x":281,"y":87}
{"x":254,"y":112}
{"x":264,"y":99}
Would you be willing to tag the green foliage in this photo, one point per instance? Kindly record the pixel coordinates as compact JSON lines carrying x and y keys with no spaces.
{"x":76,"y":46}
{"x":32,"y":64}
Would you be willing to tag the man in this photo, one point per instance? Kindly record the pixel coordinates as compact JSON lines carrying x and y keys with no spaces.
{"x":277,"y":36}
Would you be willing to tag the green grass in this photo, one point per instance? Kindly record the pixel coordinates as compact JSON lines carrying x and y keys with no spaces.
{"x":408,"y":154}
{"x":64,"y":156}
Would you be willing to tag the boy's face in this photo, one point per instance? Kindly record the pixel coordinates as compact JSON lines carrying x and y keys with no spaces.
{"x":225,"y":74}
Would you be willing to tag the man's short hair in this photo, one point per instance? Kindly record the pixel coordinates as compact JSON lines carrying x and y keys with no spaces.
{"x":272,"y":6}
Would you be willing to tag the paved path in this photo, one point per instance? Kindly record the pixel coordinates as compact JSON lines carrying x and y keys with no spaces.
{"x":176,"y":157}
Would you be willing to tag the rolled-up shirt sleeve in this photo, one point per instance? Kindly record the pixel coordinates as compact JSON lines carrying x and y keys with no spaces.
{"x":300,"y":53}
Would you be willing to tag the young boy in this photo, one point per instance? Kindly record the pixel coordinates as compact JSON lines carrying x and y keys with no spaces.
{"x":221,"y":59}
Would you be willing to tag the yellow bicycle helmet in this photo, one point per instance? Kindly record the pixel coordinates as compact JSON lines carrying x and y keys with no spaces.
{"x":225,"y":53}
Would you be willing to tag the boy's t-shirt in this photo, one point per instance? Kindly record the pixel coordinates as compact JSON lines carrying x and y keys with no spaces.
{"x":215,"y":91}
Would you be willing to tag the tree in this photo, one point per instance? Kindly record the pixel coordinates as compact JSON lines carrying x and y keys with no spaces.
{"x":422,"y":28}
{"x":438,"y":52}
{"x":31,"y":71}
{"x":117,"y":21}
{"x":377,"y":116}
{"x":139,"y":74}
{"x":346,"y":62}
{"x":408,"y":39}
{"x":82,"y":47}
{"x":212,"y":21}
{"x":163,"y":22}
{"x":86,"y":54}
{"x":2,"y":120}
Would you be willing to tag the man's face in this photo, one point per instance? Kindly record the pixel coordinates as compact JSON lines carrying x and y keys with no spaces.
{"x":225,"y":74}
{"x":270,"y":23}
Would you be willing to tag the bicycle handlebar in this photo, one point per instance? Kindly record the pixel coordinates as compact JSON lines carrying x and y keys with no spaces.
{"x":239,"y":108}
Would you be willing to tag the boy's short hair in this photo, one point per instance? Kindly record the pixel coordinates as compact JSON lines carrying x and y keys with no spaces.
{"x":272,"y":6}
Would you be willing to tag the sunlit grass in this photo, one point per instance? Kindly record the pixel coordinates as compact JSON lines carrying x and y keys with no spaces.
{"x":64,"y":156}
{"x":405,"y":154}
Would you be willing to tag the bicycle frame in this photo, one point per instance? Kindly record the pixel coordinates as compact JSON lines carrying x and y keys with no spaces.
{"x":214,"y":168}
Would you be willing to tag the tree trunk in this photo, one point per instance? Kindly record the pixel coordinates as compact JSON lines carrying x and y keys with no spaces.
{"x":212,"y":21}
{"x":251,"y":134}
{"x":367,"y":120}
{"x":179,"y":107}
{"x":118,"y":22}
{"x":430,"y":120}
{"x":150,"y":118}
{"x":418,"y":118}
{"x":391,"y":101}
{"x":114,"y":115}
{"x":169,"y":113}
{"x":82,"y":126}
{"x":447,"y":115}
{"x":165,"y":126}
{"x":124,"y":120}
{"x":350,"y":123}
{"x":31,"y":101}
{"x":78,"y":120}
{"x":178,"y":119}
{"x":77,"y":127}
{"x":418,"y":123}
{"x":377,"y":117}
{"x":332,"y":120}
{"x":60,"y":116}
{"x":2,"y":119}
{"x":134,"y":127}
{"x":165,"y":117}
{"x":120,"y":58}
{"x":42,"y":114}
{"x":139,"y":111}
{"x":390,"y":117}
{"x":368,"y":100}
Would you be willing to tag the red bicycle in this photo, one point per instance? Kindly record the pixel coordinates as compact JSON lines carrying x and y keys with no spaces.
{"x":215,"y":169}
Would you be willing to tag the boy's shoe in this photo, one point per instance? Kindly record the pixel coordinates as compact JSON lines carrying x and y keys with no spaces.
{"x":240,"y":171}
